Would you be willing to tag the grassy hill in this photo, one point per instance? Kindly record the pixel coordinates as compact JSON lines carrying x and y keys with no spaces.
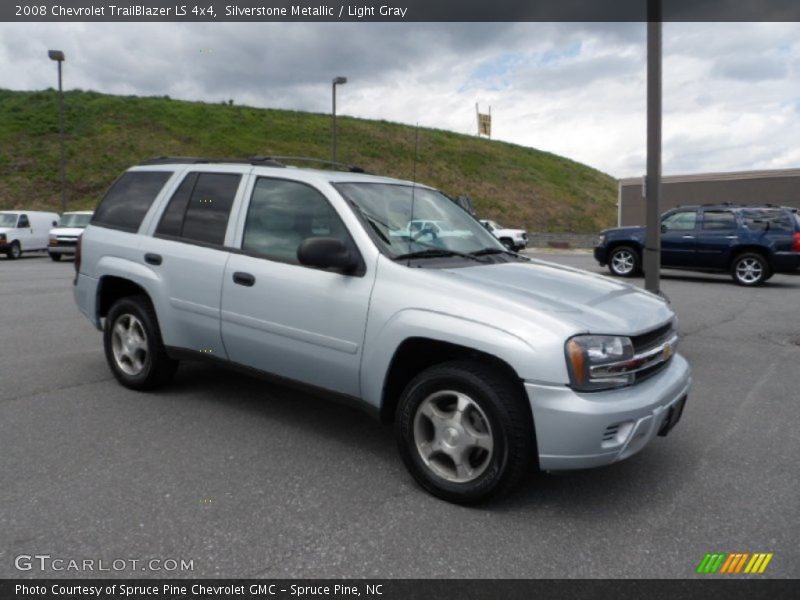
{"x":105,"y":134}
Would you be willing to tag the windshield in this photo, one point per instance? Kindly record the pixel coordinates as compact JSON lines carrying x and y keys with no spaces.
{"x":437,"y":224}
{"x":8,"y":220}
{"x":74,"y":220}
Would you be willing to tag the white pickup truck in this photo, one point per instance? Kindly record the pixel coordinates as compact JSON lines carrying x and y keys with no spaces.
{"x":513,"y":239}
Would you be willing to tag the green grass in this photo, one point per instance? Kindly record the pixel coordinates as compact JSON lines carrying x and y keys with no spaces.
{"x":105,"y":134}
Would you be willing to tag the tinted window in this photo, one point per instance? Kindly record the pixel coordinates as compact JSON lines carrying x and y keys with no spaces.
{"x":127,"y":202}
{"x":284,"y":213}
{"x":719,"y":220}
{"x":681,"y":221}
{"x":172,"y":220}
{"x":199,"y":209}
{"x":23,"y":222}
{"x":757,"y":219}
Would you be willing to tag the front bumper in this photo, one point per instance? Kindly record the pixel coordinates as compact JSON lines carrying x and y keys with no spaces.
{"x":600,"y":255}
{"x":62,"y":250}
{"x":577,"y":430}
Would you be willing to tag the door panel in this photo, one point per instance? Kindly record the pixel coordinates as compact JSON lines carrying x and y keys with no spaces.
{"x":300,"y":323}
{"x":716,"y":238}
{"x":285,"y":318}
{"x":678,"y":239}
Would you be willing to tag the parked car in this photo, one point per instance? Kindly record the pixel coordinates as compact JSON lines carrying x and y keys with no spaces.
{"x":488,"y":362}
{"x":750,"y":242}
{"x":513,"y":239}
{"x":64,"y":238}
{"x":25,"y":231}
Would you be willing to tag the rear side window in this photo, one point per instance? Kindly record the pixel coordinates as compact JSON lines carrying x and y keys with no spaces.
{"x":127,"y":202}
{"x":719,"y":219}
{"x":199,"y":209}
{"x":759,"y":219}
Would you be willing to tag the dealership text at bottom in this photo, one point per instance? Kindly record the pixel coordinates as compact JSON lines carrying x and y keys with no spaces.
{"x":168,"y":589}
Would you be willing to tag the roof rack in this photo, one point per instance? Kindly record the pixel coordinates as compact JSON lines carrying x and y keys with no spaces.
{"x":262,"y":161}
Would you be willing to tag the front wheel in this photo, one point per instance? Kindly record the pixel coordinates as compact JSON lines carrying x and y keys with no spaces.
{"x":750,"y":269}
{"x":465,"y":432}
{"x":55,"y":257}
{"x":14,"y":252}
{"x":624,"y":261}
{"x":133,"y":346}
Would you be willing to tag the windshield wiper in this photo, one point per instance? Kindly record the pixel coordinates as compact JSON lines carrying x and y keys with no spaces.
{"x":488,"y":250}
{"x":435,"y":253}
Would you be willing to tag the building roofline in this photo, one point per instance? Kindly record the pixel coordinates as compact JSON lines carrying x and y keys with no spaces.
{"x":717,"y":176}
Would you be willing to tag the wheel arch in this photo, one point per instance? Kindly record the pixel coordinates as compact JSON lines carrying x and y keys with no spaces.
{"x":415,"y":354}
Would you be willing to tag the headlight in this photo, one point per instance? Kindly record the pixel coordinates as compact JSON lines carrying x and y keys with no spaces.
{"x":2,"y":238}
{"x":585,"y":353}
{"x":600,"y":240}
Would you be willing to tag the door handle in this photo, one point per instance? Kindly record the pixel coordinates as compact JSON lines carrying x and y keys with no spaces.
{"x":731,"y":237}
{"x":243,"y":279}
{"x":688,"y":237}
{"x":152,"y":259}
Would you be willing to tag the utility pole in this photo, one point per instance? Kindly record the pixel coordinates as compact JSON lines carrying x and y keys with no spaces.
{"x":336,"y":81}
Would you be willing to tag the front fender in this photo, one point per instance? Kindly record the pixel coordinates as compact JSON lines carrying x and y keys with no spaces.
{"x":380,"y":347}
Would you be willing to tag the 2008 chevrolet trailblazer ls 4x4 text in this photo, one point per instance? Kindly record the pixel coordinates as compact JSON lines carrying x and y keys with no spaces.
{"x":487,"y":361}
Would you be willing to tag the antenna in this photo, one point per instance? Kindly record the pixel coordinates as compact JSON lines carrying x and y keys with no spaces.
{"x":413,"y":187}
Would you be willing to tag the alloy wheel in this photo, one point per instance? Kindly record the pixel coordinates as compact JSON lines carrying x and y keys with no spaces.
{"x":129,"y":344}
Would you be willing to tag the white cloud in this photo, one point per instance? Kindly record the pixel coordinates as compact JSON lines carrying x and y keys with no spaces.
{"x":730,"y":90}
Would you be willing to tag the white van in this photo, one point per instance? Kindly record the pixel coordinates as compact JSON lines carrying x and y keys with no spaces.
{"x":64,"y":238}
{"x":25,"y":231}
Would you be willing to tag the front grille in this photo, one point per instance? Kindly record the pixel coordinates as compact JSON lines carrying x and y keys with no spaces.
{"x":648,"y":340}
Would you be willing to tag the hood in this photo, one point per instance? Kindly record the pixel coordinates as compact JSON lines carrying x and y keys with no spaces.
{"x":588,"y":302}
{"x":67,"y":231}
{"x":625,"y":230}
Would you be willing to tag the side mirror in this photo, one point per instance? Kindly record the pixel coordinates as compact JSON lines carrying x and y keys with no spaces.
{"x":326,"y":253}
{"x":55,"y":223}
{"x":663,"y":229}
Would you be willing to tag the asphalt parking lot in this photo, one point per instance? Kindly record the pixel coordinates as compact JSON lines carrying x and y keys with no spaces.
{"x":247,"y":479}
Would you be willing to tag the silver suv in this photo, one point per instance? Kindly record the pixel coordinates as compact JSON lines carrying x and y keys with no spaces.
{"x":488,"y":362}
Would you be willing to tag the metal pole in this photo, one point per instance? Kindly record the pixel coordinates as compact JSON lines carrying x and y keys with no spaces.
{"x":333,"y":134}
{"x":63,"y":146}
{"x":652,"y":251}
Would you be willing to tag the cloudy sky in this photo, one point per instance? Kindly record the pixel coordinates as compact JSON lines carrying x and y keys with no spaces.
{"x":731,"y":91}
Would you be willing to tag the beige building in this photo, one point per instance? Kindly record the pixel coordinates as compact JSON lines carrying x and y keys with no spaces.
{"x":780,"y":187}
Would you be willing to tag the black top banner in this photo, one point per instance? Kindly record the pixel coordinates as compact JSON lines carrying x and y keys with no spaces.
{"x":399,"y":10}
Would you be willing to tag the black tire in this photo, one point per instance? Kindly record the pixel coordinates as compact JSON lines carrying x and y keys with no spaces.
{"x":501,"y":400}
{"x":624,"y":261}
{"x":14,"y":252}
{"x":55,"y":257}
{"x":508,"y":243}
{"x":157,"y":368}
{"x":750,"y":269}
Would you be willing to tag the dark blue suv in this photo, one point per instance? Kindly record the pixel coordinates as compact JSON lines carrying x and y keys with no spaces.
{"x":750,"y":242}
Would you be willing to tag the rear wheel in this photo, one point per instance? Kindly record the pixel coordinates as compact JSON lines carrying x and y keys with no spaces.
{"x":624,"y":261}
{"x":750,"y":269}
{"x":465,"y":432}
{"x":133,"y":346}
{"x":14,"y":252}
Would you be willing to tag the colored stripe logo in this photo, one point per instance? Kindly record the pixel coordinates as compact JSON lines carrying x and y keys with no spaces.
{"x":734,"y":563}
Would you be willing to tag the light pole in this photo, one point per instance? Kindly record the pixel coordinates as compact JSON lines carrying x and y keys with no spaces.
{"x":336,"y":81}
{"x":58,"y":56}
{"x":652,"y":251}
